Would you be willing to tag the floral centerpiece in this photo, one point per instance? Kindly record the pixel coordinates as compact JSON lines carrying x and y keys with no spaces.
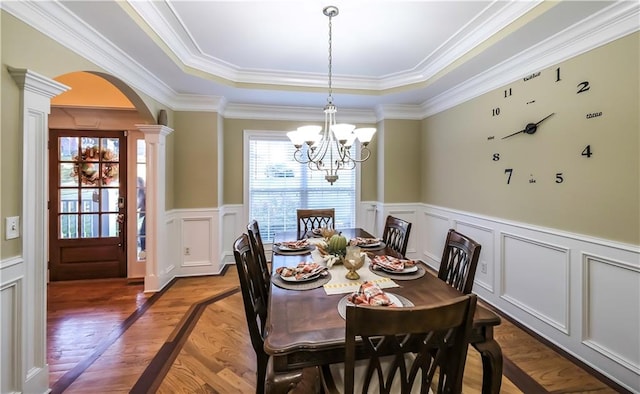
{"x":87,"y":166}
{"x":333,"y":248}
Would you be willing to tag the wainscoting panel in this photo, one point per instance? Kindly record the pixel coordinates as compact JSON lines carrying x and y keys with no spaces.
{"x":197,"y":234}
{"x":10,"y":340}
{"x":535,"y":278}
{"x":434,"y":234}
{"x":485,"y":237}
{"x":578,"y":292}
{"x":612,"y":323}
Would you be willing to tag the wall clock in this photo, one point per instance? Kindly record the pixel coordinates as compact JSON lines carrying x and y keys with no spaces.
{"x":542,"y":123}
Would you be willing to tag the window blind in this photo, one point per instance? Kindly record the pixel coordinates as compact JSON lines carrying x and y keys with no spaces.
{"x":279,"y":185}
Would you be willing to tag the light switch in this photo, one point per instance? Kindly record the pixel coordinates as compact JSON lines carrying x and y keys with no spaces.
{"x":12,"y":227}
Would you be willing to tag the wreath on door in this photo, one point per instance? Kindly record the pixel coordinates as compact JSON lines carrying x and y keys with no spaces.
{"x":87,"y":166}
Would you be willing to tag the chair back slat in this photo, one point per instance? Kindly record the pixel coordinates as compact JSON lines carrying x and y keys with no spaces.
{"x":257,"y":247}
{"x":408,"y":346}
{"x":310,"y":219}
{"x":396,"y":234}
{"x":459,"y":261}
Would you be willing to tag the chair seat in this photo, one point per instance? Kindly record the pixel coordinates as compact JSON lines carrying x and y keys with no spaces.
{"x":333,"y":376}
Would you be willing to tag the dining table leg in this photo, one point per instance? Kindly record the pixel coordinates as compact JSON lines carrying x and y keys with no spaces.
{"x":491,"y":354}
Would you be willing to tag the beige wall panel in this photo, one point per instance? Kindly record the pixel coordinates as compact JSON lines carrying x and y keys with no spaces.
{"x":598,"y":196}
{"x":401,"y":161}
{"x":195,"y":160}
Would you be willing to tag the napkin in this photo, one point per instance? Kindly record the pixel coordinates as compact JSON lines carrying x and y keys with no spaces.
{"x":361,"y":241}
{"x":302,"y":270}
{"x":370,"y":293}
{"x":391,"y":263}
{"x":299,"y":244}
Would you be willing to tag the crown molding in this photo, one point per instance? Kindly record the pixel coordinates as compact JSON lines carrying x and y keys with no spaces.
{"x":304,"y":114}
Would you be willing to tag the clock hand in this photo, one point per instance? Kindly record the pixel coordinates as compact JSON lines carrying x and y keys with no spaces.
{"x":531,"y":127}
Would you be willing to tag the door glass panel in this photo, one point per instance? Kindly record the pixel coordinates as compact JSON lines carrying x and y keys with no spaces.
{"x":109,"y":225}
{"x":110,"y":174}
{"x":68,"y":148}
{"x":110,"y":199}
{"x":89,"y":226}
{"x":90,"y":200}
{"x":110,"y":149}
{"x":68,"y":200}
{"x":66,"y":175}
{"x":68,"y":226}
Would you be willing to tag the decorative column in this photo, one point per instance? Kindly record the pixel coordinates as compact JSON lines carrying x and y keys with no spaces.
{"x":156,"y":231}
{"x":36,"y":92}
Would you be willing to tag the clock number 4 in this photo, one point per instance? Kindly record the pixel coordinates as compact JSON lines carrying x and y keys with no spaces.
{"x":586,"y":152}
{"x":509,"y":172}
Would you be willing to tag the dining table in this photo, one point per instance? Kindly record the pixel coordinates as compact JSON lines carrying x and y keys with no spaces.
{"x":305,"y":321}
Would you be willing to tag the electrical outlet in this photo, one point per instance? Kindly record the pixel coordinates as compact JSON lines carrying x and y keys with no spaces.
{"x":187,"y":251}
{"x":483,"y":268}
{"x":12,"y":227}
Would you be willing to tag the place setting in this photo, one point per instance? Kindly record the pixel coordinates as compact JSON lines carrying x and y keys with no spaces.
{"x":297,"y":247}
{"x":395,"y":268}
{"x":368,"y":243}
{"x":304,"y":276}
{"x":371,"y":294}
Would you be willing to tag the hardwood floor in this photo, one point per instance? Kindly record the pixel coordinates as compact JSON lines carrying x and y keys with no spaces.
{"x":109,"y":336}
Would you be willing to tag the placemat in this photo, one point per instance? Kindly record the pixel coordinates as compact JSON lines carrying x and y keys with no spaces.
{"x":308,"y":285}
{"x":413,"y":275}
{"x":306,"y":250}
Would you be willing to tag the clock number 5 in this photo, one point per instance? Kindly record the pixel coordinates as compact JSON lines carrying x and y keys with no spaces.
{"x":508,"y":171}
{"x":559,"y":177}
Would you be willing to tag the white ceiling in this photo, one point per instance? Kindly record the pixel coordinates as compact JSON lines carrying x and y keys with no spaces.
{"x":409,"y":58}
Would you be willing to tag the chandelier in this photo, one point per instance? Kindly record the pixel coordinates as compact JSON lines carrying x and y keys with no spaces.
{"x":329,"y":148}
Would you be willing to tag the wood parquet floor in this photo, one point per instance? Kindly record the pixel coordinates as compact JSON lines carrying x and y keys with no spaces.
{"x":110,"y":337}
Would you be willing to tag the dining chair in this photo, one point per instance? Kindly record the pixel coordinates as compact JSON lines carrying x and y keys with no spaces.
{"x":310,"y":219}
{"x":403,"y":350}
{"x":459,"y":261}
{"x":257,"y":247}
{"x":255,"y":308}
{"x":396,"y":234}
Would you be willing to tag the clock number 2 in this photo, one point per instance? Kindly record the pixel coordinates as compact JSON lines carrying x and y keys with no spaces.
{"x":508,"y":171}
{"x":583,"y":87}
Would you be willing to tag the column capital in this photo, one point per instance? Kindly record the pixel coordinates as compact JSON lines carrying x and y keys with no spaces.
{"x":36,"y":83}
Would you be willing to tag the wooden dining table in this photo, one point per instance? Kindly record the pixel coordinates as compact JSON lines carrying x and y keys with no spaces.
{"x":305,"y":329}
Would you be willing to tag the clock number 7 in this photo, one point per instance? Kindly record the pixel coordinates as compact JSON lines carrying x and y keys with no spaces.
{"x":510,"y":172}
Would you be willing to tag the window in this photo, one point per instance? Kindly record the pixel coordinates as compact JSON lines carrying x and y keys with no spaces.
{"x":141,"y":193}
{"x":278,"y":185}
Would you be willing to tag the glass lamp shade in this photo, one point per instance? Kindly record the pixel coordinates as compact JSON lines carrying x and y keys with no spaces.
{"x":342,"y":131}
{"x":365,"y":134}
{"x":296,"y":137}
{"x":310,"y":134}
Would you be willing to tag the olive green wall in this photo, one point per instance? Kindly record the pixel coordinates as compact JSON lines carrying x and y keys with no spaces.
{"x":599,"y":196}
{"x":400,"y":179}
{"x":195,"y":159}
{"x":233,"y":152}
{"x":25,"y":47}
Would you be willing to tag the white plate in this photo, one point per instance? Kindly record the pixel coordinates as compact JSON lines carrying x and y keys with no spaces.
{"x":404,"y":271}
{"x":293,"y":278}
{"x":395,"y":299}
{"x":373,"y":245}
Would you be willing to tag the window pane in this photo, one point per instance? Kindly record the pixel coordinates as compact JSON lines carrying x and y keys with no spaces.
{"x":110,"y":225}
{"x":68,"y":226}
{"x":68,"y":200}
{"x":66,"y":175}
{"x":90,"y":200}
{"x":278,"y":185}
{"x":89,"y":226}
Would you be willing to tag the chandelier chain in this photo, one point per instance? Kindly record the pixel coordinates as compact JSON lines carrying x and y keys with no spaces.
{"x":330,"y":98}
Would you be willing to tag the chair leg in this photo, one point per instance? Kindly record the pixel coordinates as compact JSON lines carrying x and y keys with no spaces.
{"x":261,"y":373}
{"x":288,"y":382}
